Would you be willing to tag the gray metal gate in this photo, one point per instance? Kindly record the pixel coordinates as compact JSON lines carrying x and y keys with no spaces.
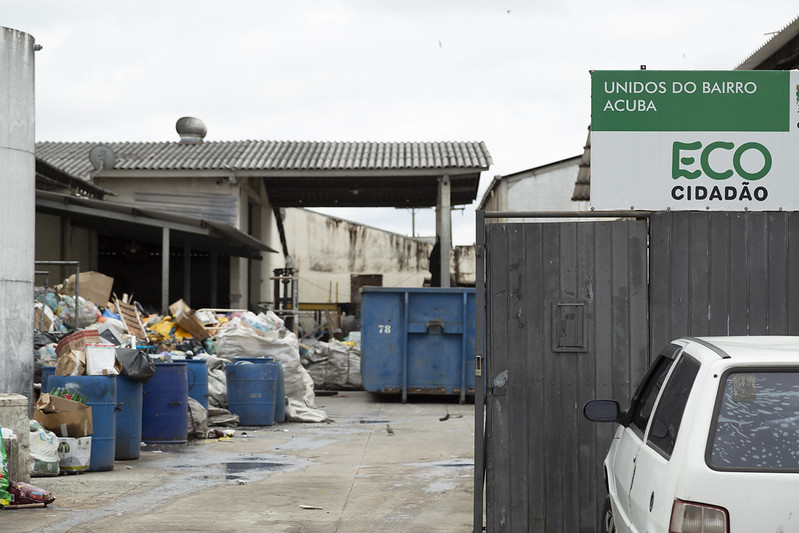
{"x":723,"y":274}
{"x":572,"y":311}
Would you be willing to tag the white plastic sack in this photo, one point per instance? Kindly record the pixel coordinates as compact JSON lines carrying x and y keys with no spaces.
{"x":198,"y":420}
{"x":218,"y":416}
{"x":299,"y":412}
{"x":334,"y":365}
{"x":217,"y":380}
{"x":44,"y":451}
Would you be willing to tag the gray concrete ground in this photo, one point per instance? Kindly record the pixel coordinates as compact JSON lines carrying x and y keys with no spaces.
{"x":349,"y":475}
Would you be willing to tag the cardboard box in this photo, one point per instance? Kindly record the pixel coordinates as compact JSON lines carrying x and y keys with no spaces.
{"x":63,"y":417}
{"x":71,"y":363}
{"x":92,"y":286}
{"x":186,"y":319}
{"x":101,"y":360}
{"x":43,"y":323}
{"x":77,"y":341}
{"x":74,"y":454}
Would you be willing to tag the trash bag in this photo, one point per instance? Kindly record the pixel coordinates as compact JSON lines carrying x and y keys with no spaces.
{"x":5,"y":496}
{"x":136,"y":364}
{"x":24,"y":493}
{"x":191,"y":344}
{"x":44,"y":451}
{"x":87,"y":312}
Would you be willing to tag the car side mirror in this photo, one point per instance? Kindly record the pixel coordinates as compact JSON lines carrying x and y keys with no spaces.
{"x":602,"y":411}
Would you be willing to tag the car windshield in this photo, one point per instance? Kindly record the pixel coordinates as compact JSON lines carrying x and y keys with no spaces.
{"x":757,"y":422}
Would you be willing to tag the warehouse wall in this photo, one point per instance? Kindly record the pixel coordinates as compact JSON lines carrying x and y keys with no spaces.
{"x":328,"y":251}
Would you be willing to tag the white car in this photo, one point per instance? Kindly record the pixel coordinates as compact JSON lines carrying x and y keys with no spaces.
{"x":710,"y":443}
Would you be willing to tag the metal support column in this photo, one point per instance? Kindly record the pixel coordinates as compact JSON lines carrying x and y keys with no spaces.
{"x":187,"y":271}
{"x":164,"y":270}
{"x":444,"y":231}
{"x":214,"y":278}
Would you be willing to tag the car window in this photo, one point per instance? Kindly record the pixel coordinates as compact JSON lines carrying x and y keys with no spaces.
{"x":756,"y":425}
{"x":668,"y":416}
{"x":644,"y":399}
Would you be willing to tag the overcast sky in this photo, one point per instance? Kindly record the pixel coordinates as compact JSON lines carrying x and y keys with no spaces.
{"x":510,"y":73}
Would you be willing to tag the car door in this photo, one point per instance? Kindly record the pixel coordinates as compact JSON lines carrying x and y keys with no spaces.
{"x":654,"y":472}
{"x":631,"y":440}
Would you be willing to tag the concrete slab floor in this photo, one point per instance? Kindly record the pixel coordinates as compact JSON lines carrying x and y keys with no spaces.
{"x":349,"y":475}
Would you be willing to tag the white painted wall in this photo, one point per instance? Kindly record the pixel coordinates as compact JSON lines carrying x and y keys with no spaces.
{"x":327,"y":251}
{"x":545,"y":188}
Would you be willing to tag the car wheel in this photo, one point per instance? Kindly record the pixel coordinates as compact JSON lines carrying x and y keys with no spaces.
{"x":607,"y":524}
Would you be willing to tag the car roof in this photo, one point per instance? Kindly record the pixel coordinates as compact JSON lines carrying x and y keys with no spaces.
{"x":756,"y":348}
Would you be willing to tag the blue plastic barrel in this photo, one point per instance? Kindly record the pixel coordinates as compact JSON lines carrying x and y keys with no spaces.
{"x":280,"y":393}
{"x":47,"y":371}
{"x":251,"y":388}
{"x":101,"y":392}
{"x":165,"y":409}
{"x":198,"y":380}
{"x":129,"y":405}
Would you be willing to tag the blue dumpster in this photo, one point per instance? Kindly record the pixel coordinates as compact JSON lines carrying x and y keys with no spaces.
{"x":129,"y":419}
{"x":101,"y":392}
{"x":251,"y":390}
{"x":418,"y":340}
{"x":165,"y":407}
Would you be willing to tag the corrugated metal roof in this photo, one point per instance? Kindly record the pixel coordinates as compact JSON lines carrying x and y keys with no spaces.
{"x":781,"y":52}
{"x":73,"y":157}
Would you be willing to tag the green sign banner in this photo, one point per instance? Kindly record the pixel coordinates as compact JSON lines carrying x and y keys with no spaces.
{"x":651,"y":100}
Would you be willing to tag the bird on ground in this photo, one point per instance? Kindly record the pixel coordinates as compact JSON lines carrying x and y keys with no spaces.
{"x":389,"y":430}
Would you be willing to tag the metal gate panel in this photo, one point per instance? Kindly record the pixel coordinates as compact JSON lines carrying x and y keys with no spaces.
{"x":566,"y":307}
{"x":721,"y":273}
{"x":571,"y":315}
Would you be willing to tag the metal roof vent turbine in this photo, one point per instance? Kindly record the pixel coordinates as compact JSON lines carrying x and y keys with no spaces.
{"x":191,"y":130}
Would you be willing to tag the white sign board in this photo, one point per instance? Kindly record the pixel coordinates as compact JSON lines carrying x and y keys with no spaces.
{"x":695,"y":140}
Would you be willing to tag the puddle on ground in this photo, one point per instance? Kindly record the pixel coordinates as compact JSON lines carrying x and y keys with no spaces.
{"x":239,"y":470}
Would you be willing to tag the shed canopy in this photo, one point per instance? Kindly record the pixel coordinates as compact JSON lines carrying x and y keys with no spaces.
{"x":126,"y":221}
{"x":299,"y":174}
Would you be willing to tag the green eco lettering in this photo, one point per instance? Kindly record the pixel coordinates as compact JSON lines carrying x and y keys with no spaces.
{"x":705,"y":160}
{"x":680,"y":161}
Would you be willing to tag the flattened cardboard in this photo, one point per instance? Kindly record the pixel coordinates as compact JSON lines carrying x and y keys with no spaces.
{"x":94,"y":286}
{"x":63,"y":417}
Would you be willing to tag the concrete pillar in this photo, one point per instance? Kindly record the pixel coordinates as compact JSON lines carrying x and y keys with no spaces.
{"x":17,"y":211}
{"x":14,"y":415}
{"x":444,"y":229}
